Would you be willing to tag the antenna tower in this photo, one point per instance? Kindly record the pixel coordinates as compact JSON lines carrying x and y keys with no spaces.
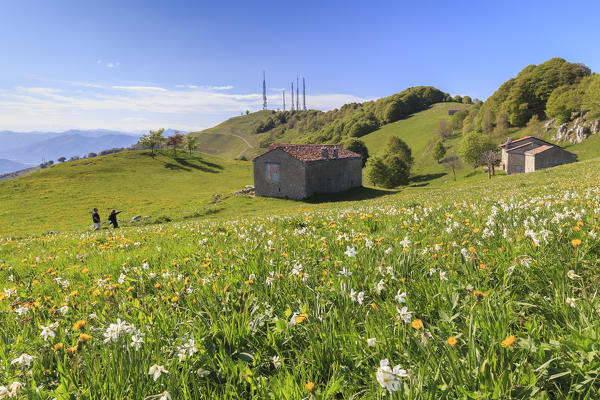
{"x":297,"y":93}
{"x":292,"y":96}
{"x":264,"y":91}
{"x":304,"y":94}
{"x":283,"y":99}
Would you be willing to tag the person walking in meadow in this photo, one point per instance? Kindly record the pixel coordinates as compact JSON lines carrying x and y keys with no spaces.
{"x":113,"y":218}
{"x":96,"y":219}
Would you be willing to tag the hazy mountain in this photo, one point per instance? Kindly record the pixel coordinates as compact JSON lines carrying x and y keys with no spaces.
{"x":64,"y":145}
{"x":7,"y":166}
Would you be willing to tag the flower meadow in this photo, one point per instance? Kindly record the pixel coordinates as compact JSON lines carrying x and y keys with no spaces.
{"x":487,"y":292}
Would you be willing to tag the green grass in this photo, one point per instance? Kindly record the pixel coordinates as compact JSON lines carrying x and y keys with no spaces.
{"x":225,"y":140}
{"x":62,"y":197}
{"x":269,"y":306}
{"x":418,"y":131}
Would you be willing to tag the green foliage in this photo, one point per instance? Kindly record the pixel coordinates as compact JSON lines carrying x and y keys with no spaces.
{"x":393,"y":167}
{"x":439,"y":151}
{"x":398,"y":170}
{"x":591,"y":98}
{"x":359,"y":147}
{"x":467,"y":100}
{"x":190,"y":142}
{"x":354,"y":119}
{"x":397,"y":147}
{"x":457,"y":119}
{"x":562,"y":102}
{"x":473,"y":146}
{"x":527,"y":94}
{"x":152,"y":140}
{"x":377,"y":171}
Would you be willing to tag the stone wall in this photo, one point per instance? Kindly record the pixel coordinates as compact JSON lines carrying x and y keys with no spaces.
{"x":514,"y":161}
{"x":548,"y":159}
{"x":333,"y":176}
{"x":291,"y":183}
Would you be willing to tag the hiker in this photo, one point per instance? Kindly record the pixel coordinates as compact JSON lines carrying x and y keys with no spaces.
{"x":96,"y":219}
{"x":113,"y":218}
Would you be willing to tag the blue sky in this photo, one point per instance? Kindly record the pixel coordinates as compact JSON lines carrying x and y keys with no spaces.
{"x":135,"y":65}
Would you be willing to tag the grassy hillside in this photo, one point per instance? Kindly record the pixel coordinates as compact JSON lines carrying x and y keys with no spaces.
{"x":61,"y":197}
{"x":232,"y":138}
{"x":418,"y":132}
{"x":165,"y":188}
{"x":478,"y":291}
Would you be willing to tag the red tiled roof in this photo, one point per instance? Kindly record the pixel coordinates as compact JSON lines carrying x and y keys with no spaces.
{"x":525,"y":138}
{"x":521,"y":146}
{"x":539,"y":149}
{"x":312,"y":152}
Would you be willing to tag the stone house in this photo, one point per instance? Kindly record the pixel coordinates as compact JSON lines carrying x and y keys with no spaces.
{"x":530,"y":154}
{"x":298,"y":171}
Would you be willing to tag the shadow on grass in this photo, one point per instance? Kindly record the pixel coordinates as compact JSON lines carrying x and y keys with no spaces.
{"x":355,"y":194}
{"x":187,"y":163}
{"x":426,"y":177}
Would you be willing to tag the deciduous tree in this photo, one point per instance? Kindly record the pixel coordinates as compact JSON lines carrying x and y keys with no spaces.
{"x":174,"y":141}
{"x":152,"y":140}
{"x":443,"y":129}
{"x":439,"y":151}
{"x":190,"y":142}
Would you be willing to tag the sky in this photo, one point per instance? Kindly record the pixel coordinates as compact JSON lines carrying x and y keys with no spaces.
{"x":139,"y":65}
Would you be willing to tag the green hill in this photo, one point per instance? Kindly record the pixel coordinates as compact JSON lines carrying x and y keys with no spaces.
{"x":233,"y":137}
{"x":166,"y":187}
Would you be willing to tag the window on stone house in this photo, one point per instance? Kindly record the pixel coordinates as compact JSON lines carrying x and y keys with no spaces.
{"x":272,"y":172}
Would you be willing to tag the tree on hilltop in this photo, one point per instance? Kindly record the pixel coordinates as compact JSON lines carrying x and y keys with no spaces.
{"x":174,"y":141}
{"x":190,"y":142}
{"x":152,"y":140}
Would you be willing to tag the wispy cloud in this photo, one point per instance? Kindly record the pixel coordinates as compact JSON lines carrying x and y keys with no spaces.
{"x":108,"y":64}
{"x":133,"y":107}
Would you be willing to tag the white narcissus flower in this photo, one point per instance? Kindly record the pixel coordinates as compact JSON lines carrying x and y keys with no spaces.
{"x":164,"y":396}
{"x":14,"y":388}
{"x":47,"y":332}
{"x":350,"y":251}
{"x":404,"y":314}
{"x":572,"y":275}
{"x":389,"y":378}
{"x":371,"y":342}
{"x":360,"y":297}
{"x":401,"y":297}
{"x":156,"y":371}
{"x":380,"y":286}
{"x":276,"y":361}
{"x":23,"y":360}
{"x":443,"y":276}
{"x":571,"y":301}
{"x":405,"y":242}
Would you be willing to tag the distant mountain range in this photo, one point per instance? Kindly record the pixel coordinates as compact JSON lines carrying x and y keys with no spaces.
{"x":7,"y":166}
{"x":22,"y":148}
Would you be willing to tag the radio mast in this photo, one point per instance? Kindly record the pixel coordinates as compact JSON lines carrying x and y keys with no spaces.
{"x":304,"y":93}
{"x":264,"y":91}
